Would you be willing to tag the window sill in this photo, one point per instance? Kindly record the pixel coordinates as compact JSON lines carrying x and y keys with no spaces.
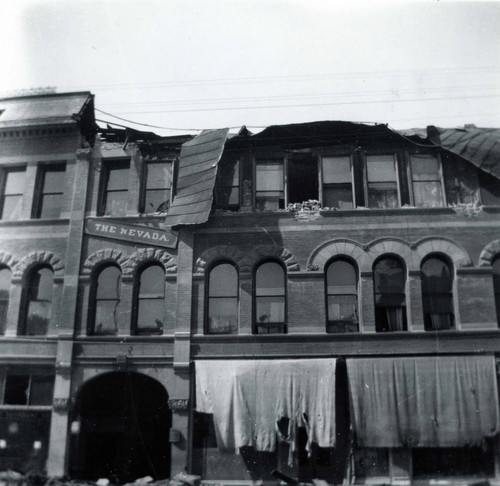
{"x":35,"y":222}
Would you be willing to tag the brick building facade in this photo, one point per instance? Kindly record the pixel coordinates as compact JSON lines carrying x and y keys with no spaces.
{"x":136,"y":269}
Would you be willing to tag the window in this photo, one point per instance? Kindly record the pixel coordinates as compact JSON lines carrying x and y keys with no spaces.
{"x":157,"y":186}
{"x":342,"y":297}
{"x":302,"y":177}
{"x":114,"y":191}
{"x":50,"y":191}
{"x":337,"y":183}
{"x":437,"y":294}
{"x":270,"y":299}
{"x":269,"y":185}
{"x":496,"y":286}
{"x":12,"y":189}
{"x":34,"y":389}
{"x":426,"y":179}
{"x":223,"y":300}
{"x":227,"y":188}
{"x":38,"y":302}
{"x":5,"y":276}
{"x":150,"y":299}
{"x":382,"y":181}
{"x":390,"y":302}
{"x":106,"y":300}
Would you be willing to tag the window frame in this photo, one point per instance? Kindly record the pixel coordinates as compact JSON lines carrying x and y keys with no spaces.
{"x":206,"y":329}
{"x":106,"y":167}
{"x":92,"y":305}
{"x":284,"y":324}
{"x":32,"y":375}
{"x":136,"y":299}
{"x":366,"y":182}
{"x":411,"y":189}
{"x":330,"y":324}
{"x":4,"y":172}
{"x":5,"y":301}
{"x":144,"y":185}
{"x":42,"y":171}
{"x":324,"y":184}
{"x":237,"y":186}
{"x":402,"y":263}
{"x":496,"y":286}
{"x":270,"y":160}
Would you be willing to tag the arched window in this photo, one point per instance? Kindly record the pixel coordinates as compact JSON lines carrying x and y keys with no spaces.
{"x":342,"y":297}
{"x":37,"y":302}
{"x":149,"y":300}
{"x":223,"y":300}
{"x":106,"y":298}
{"x":5,"y":276}
{"x":496,"y":286}
{"x":437,"y":294}
{"x":270,"y":299}
{"x":390,"y":300}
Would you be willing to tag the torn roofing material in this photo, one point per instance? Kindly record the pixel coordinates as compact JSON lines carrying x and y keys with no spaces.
{"x":196,"y":178}
{"x":480,"y":146}
{"x":47,"y":109}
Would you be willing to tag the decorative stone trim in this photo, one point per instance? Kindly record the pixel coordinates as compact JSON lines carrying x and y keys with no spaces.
{"x":107,"y":255}
{"x":63,"y":367}
{"x":8,"y":260}
{"x":145,"y":255}
{"x":446,"y":246}
{"x":490,"y":251}
{"x":225,"y":252}
{"x":178,"y":404}
{"x":394,"y":246}
{"x":270,"y":251}
{"x":39,"y":257}
{"x":61,"y":404}
{"x":335,"y":248}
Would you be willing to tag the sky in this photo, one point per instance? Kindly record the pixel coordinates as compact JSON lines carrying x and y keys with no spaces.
{"x":181,"y":66}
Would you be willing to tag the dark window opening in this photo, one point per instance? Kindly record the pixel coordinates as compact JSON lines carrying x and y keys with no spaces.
{"x":382,"y":181}
{"x":12,"y":190}
{"x":371,"y":462}
{"x":114,"y":191}
{"x":150,"y":300}
{"x":50,"y":192}
{"x":38,"y":303}
{"x":106,"y":301}
{"x":496,"y":286}
{"x":390,"y":301}
{"x":270,"y":299}
{"x":34,"y":390}
{"x":337,"y":183}
{"x":5,"y":277}
{"x":227,"y":187}
{"x":223,"y":300}
{"x":269,"y":185}
{"x":302,"y":178}
{"x":437,"y":295}
{"x":157,"y":186}
{"x":342,"y":297}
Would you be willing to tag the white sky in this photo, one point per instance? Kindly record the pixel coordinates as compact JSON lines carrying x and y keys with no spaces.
{"x":217,"y":63}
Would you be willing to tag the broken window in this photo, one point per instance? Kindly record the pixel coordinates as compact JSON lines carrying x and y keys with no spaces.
{"x":270,"y":299}
{"x":5,"y":276}
{"x":12,"y":190}
{"x":106,"y":301}
{"x":496,"y":286}
{"x":426,"y":180}
{"x":269,"y":185}
{"x":382,"y":181}
{"x":227,"y":188}
{"x":390,"y":302}
{"x":38,"y":303}
{"x":28,"y":389}
{"x":157,"y":186}
{"x":50,"y":191}
{"x":337,"y":182}
{"x":437,"y":294}
{"x":342,"y":297}
{"x":150,"y":298}
{"x":114,"y":191}
{"x":223,"y":300}
{"x":302,"y":177}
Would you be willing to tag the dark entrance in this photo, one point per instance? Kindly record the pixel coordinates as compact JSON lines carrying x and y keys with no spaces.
{"x":124,"y":429}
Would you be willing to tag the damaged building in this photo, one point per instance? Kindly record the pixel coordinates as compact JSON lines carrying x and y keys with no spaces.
{"x":321,"y":299}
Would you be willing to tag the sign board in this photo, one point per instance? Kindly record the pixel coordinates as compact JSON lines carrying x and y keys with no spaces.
{"x":135,"y":233}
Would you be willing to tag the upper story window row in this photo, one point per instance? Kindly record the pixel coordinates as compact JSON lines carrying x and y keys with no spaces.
{"x":46,"y":200}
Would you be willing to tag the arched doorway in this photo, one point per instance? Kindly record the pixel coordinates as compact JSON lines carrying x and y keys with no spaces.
{"x":120,"y":429}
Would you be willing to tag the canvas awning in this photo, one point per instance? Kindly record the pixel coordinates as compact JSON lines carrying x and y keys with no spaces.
{"x":446,"y":401}
{"x":196,"y":178}
{"x":248,"y":398}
